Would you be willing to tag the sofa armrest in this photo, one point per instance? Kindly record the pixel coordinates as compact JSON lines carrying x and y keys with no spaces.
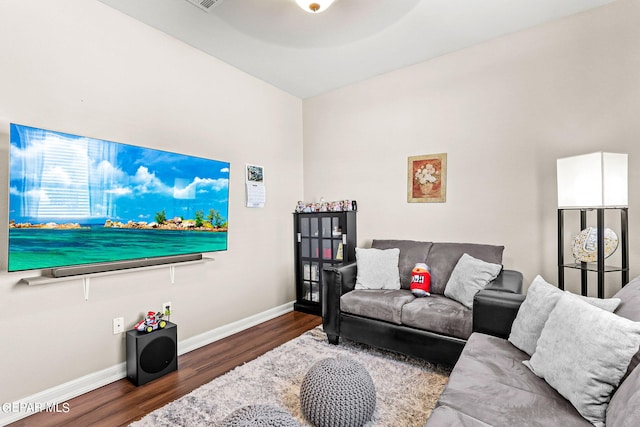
{"x":507,"y":281}
{"x":336,"y":280}
{"x":496,"y":306}
{"x":494,"y":311}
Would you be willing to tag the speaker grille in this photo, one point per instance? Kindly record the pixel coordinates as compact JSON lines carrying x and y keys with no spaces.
{"x":157,"y":355}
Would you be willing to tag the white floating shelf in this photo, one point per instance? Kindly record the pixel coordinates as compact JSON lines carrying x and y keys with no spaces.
{"x":43,"y":280}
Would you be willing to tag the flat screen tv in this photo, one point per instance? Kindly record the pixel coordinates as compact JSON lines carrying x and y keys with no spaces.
{"x":78,"y":201}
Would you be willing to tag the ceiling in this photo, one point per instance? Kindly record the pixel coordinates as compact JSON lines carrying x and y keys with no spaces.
{"x":309,"y":54}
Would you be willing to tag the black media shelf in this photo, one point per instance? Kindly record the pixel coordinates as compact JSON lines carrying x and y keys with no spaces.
{"x":321,"y":239}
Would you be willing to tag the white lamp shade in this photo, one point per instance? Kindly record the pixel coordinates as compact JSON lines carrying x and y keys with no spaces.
{"x":595,"y":180}
{"x":318,"y":5}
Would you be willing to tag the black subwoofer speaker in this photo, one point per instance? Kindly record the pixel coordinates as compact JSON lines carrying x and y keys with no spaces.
{"x":151,"y":355}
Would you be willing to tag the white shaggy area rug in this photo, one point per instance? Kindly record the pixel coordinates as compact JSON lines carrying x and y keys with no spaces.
{"x":406,"y":388}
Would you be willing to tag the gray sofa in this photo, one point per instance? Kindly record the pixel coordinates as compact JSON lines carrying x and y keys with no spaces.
{"x":435,"y":328}
{"x":490,"y":386}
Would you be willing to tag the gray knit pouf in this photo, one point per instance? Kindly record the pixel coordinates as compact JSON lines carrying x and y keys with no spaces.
{"x":259,"y":416}
{"x":337,"y":392}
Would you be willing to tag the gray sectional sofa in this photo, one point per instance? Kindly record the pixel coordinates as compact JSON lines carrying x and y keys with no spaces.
{"x":547,"y":358}
{"x":435,"y":328}
{"x":491,"y":386}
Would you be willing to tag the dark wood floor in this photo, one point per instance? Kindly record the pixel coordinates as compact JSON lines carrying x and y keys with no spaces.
{"x":121,"y":403}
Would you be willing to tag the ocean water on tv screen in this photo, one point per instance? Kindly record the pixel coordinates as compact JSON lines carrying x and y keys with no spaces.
{"x":98,"y":244}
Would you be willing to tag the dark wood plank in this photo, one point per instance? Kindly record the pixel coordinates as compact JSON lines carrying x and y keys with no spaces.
{"x":120,"y":403}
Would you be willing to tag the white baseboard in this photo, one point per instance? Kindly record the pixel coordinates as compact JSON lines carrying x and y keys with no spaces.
{"x":216,"y":334}
{"x":53,"y":399}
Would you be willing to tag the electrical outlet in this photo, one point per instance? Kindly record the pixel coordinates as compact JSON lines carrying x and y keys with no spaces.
{"x":118,"y":325}
{"x":167,"y":308}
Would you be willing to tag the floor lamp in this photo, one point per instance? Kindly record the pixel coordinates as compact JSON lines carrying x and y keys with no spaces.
{"x":588,"y":182}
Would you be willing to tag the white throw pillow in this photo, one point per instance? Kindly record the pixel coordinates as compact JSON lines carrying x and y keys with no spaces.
{"x":583,"y":352}
{"x":541,"y":299}
{"x":469,"y":276}
{"x":377,"y":268}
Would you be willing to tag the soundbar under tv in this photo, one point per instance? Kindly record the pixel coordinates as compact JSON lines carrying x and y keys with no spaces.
{"x":120,"y":265}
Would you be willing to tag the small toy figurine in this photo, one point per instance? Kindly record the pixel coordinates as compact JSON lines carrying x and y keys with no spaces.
{"x":421,"y":280}
{"x":151,"y":322}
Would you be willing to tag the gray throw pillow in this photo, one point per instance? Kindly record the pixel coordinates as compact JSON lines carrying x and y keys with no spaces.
{"x":377,"y":268}
{"x":443,"y":258}
{"x":411,"y":253}
{"x":541,"y":299}
{"x":469,"y":276}
{"x":583,"y":352}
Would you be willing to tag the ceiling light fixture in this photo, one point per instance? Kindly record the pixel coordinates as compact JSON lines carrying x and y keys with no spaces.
{"x":316,"y":6}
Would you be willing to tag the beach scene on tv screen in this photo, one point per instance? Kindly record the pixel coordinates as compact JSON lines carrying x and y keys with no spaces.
{"x":76,"y":200}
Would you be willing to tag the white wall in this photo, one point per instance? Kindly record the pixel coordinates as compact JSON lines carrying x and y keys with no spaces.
{"x":503,"y":111}
{"x":81,"y":67}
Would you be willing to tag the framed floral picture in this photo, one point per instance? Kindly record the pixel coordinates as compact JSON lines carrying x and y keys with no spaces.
{"x":427,"y":179}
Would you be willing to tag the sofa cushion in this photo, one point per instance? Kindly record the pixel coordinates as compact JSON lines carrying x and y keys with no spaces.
{"x":443,"y":257}
{"x":411,"y":253}
{"x":624,"y":407}
{"x":445,"y":416}
{"x":630,"y":309}
{"x":377,"y":304}
{"x":469,"y":276}
{"x":489,"y":383}
{"x":377,"y":268}
{"x":583,"y":352}
{"x":438,"y":314}
{"x":541,"y":299}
